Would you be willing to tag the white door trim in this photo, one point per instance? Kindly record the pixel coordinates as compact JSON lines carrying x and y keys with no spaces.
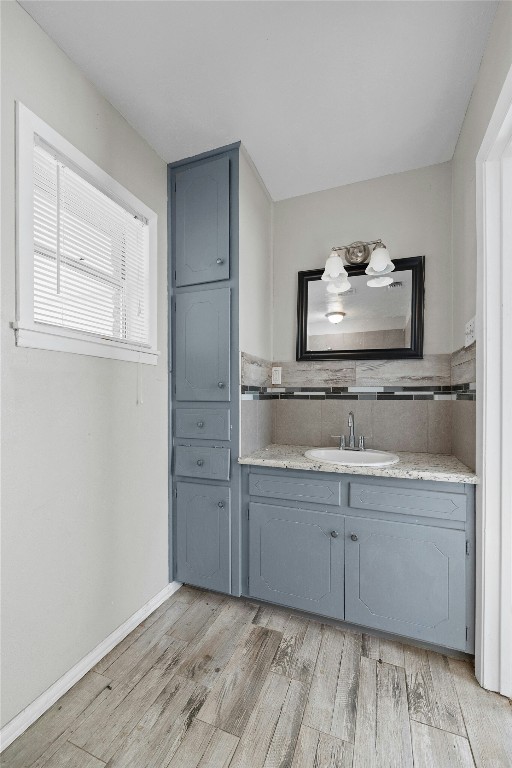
{"x":494,"y":422}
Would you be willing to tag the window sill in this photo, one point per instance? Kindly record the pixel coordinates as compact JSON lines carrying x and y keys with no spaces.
{"x":60,"y":342}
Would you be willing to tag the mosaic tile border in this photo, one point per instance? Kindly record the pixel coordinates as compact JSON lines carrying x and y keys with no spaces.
{"x":454,"y":392}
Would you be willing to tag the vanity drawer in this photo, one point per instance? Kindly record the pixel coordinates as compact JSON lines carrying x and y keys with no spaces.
{"x":207,"y":423}
{"x":210,"y":463}
{"x":408,"y":501}
{"x":296,"y":488}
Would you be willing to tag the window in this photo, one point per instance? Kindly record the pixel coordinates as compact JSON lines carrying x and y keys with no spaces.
{"x":86,"y":253}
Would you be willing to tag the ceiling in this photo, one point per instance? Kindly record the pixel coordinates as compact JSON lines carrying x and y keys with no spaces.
{"x":366,"y":308}
{"x":320,"y":93}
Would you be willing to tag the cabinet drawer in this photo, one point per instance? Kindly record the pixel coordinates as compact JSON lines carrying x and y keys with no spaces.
{"x":295,"y":488}
{"x":408,"y":501}
{"x":210,"y":424}
{"x":210,"y":463}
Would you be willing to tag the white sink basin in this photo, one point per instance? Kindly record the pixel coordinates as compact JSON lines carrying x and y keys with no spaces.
{"x":367,"y":458}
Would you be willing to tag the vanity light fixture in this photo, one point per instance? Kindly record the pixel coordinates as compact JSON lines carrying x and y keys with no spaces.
{"x":340,"y":285}
{"x":334,"y":268}
{"x":380,"y":282}
{"x":356,"y":253}
{"x":335,"y":317}
{"x":380,"y":262}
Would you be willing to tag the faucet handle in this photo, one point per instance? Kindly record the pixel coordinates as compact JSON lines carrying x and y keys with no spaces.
{"x":341,"y":439}
{"x":361,"y":443}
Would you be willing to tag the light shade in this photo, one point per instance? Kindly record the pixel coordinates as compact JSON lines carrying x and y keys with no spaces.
{"x":380,"y":262}
{"x":379,"y":282}
{"x":335,"y":317}
{"x":341,"y":285}
{"x":334,"y":268}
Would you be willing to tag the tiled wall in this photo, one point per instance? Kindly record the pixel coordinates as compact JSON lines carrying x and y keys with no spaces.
{"x":407,"y":405}
{"x":254,"y":371}
{"x":463,"y":369}
{"x":256,"y":425}
{"x":464,"y":432}
{"x":431,"y":370}
{"x":401,"y":426}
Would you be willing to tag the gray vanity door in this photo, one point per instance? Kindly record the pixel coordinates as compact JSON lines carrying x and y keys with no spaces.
{"x":296,"y":558}
{"x":202,"y":345}
{"x":202,"y":223}
{"x":203,"y":535}
{"x":406,"y":579}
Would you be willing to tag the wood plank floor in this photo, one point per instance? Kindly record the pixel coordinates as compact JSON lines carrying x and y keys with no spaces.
{"x":209,"y":681}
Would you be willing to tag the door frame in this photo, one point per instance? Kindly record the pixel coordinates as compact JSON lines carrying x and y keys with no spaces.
{"x":493,"y":661}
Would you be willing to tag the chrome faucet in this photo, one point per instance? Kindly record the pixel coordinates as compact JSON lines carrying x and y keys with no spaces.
{"x":351,"y":437}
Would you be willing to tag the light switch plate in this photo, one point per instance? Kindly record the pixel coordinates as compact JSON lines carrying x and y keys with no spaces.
{"x":276,"y":375}
{"x":470,"y":332}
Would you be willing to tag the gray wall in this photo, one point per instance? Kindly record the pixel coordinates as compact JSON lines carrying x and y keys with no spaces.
{"x":495,"y":65}
{"x":255,"y":260}
{"x":84,"y":468}
{"x":410,"y":211}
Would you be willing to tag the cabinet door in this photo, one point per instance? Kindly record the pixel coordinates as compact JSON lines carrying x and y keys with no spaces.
{"x":202,"y":223}
{"x":202,"y":345}
{"x":406,"y":579}
{"x":296,"y":558}
{"x":203,"y":536}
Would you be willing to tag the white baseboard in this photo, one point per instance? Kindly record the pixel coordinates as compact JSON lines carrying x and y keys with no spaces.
{"x":29,"y":715}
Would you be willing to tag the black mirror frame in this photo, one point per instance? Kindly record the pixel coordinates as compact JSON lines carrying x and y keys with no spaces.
{"x":416,"y":264}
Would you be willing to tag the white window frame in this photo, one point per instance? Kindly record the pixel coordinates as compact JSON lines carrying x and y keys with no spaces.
{"x":30,"y":333}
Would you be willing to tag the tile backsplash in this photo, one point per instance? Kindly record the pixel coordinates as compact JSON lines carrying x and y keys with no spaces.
{"x":423,"y":426}
{"x":432,"y":370}
{"x":463,"y":365}
{"x":404,"y":405}
{"x":254,"y":371}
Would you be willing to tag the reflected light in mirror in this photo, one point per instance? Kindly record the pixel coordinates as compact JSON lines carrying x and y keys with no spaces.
{"x":379,"y":282}
{"x":335,"y":317}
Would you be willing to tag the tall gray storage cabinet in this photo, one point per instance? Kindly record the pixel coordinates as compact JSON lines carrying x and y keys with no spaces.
{"x":204,"y":408}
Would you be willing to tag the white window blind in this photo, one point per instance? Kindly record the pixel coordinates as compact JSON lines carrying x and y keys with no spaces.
{"x":91,"y":255}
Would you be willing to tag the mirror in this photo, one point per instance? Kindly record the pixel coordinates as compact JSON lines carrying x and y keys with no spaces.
{"x":363,"y":322}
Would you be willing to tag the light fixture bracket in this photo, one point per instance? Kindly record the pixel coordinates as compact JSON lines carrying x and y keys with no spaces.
{"x":358,"y":252}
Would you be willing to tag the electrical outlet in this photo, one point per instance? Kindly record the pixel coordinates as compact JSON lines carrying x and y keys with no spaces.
{"x":276,"y":375}
{"x":470,"y":332}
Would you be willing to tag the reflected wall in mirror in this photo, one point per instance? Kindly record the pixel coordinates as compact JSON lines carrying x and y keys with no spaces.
{"x":364,"y":322}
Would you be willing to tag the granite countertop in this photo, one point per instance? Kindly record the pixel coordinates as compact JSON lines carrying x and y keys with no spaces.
{"x":414,"y":466}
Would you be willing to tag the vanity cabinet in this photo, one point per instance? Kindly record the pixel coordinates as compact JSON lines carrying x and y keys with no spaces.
{"x":388,"y":554}
{"x":201,"y":196}
{"x":296,"y":558}
{"x":203,"y":345}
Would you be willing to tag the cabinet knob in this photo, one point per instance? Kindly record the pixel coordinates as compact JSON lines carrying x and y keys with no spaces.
{"x":221,"y":504}
{"x":221,"y":385}
{"x":200,"y":462}
{"x":220,"y":261}
{"x":334,"y":534}
{"x":200,"y":424}
{"x":353,"y":536}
